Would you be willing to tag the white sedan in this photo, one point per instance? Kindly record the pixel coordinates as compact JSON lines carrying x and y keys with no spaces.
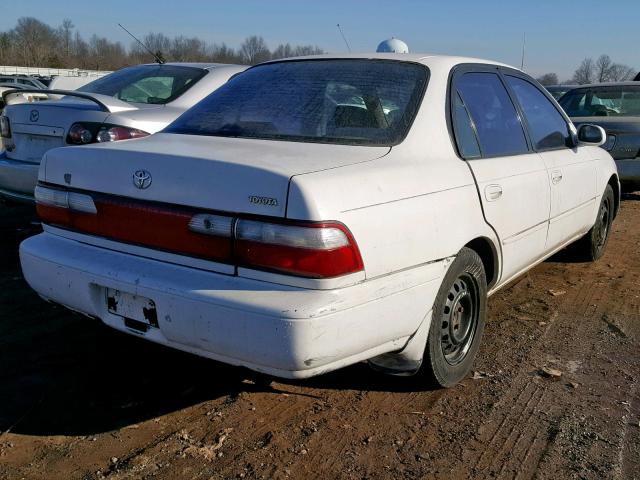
{"x":318,"y":212}
{"x":130,"y":103}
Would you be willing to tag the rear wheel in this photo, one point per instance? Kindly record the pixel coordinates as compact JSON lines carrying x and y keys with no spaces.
{"x":592,"y":245}
{"x":457,"y":323}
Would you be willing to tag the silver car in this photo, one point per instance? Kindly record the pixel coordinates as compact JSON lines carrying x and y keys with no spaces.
{"x":130,"y":103}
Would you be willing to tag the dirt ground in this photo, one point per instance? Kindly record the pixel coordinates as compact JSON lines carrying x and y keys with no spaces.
{"x":79,"y":401}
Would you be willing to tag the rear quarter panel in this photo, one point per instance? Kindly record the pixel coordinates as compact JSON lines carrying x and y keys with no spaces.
{"x":403,"y":211}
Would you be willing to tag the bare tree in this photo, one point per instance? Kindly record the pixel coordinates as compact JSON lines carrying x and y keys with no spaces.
{"x":620,"y":73}
{"x":585,"y":73}
{"x":602,"y":70}
{"x":548,"y":79}
{"x":254,"y":50}
{"x":34,"y":43}
{"x":65,"y":32}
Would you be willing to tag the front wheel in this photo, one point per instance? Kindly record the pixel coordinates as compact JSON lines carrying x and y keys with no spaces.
{"x":457,"y":322}
{"x":592,"y":245}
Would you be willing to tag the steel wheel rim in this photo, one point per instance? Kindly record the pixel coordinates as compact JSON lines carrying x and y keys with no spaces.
{"x":459,"y":319}
{"x":603,"y":224}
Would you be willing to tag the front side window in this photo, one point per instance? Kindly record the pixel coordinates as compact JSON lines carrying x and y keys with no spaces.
{"x":361,"y":102}
{"x":494,"y":115}
{"x":547,"y":127}
{"x":151,"y":84}
{"x":619,"y":101}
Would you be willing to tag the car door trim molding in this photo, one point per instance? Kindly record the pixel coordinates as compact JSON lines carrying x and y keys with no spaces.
{"x":560,"y":216}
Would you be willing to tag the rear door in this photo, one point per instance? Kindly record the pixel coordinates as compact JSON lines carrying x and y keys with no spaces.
{"x":572,"y":170}
{"x":511,"y":178}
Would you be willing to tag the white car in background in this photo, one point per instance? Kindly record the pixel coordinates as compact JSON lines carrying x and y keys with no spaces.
{"x":317,"y":212}
{"x":130,"y":103}
{"x":30,"y":96}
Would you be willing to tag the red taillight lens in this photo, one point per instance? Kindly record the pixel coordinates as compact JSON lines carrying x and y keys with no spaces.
{"x":312,"y":250}
{"x":114,"y":134}
{"x":316,"y":250}
{"x":79,"y":134}
{"x":155,"y":226}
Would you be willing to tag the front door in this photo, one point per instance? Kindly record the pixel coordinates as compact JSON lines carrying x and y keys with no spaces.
{"x":572,"y":170}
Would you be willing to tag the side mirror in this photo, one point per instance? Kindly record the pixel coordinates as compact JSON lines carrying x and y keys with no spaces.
{"x":591,"y":135}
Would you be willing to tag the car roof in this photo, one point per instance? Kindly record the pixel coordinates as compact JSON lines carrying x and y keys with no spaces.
{"x":629,"y":83}
{"x":202,"y":65}
{"x":558,"y":87}
{"x":429,"y":59}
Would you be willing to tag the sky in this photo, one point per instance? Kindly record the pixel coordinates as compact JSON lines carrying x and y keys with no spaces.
{"x":559,"y":34}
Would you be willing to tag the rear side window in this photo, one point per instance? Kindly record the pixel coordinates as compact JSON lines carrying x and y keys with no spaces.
{"x":466,"y":139}
{"x":494,"y":115}
{"x":547,"y":127}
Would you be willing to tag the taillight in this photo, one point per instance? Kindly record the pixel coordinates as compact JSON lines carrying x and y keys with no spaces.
{"x":83,"y":133}
{"x":80,"y":134}
{"x":312,"y":250}
{"x":78,"y":202}
{"x":5,"y":127}
{"x":317,"y":250}
{"x":114,"y":134}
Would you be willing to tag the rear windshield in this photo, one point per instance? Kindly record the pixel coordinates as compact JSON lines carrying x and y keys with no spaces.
{"x":156,"y":84}
{"x":620,"y":101}
{"x":362,"y":102}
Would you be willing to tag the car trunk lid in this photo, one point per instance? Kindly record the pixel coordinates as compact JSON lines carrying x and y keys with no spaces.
{"x":38,"y":127}
{"x":214,"y":173}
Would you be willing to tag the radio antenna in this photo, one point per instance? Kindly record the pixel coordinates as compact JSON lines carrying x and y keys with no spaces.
{"x":524,"y":45}
{"x":344,"y":38}
{"x":157,"y":55}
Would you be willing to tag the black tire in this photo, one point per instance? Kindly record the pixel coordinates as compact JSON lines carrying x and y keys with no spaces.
{"x":459,"y":313}
{"x":591,"y":247}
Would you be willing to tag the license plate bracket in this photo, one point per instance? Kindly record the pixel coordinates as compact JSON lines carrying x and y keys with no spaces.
{"x":133,"y":307}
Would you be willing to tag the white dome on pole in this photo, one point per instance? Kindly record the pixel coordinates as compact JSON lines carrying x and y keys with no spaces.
{"x":393,"y":45}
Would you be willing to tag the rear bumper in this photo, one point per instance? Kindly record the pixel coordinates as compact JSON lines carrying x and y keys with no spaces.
{"x":280,"y":330}
{"x":17,"y":179}
{"x":629,"y":170}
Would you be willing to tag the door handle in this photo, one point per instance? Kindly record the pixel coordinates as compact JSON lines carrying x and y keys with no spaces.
{"x":492,"y":192}
{"x":556,"y":177}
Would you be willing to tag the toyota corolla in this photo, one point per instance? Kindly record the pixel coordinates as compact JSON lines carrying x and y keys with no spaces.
{"x":317,"y":212}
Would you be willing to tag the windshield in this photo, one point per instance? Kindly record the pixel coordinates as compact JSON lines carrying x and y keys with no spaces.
{"x":615,"y":101}
{"x":362,"y":102}
{"x":155,"y":84}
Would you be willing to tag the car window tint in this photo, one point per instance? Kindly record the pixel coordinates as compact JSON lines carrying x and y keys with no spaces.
{"x":153,"y":84}
{"x":619,"y":101}
{"x":362,"y":102}
{"x":547,"y":127}
{"x":465,"y":136}
{"x":148,"y":90}
{"x":497,"y":123}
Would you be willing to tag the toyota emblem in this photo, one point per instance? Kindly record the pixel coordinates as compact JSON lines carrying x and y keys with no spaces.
{"x":34,"y":115}
{"x":141,"y":179}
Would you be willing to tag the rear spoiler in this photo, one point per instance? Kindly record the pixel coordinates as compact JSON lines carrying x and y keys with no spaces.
{"x":66,"y":93}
